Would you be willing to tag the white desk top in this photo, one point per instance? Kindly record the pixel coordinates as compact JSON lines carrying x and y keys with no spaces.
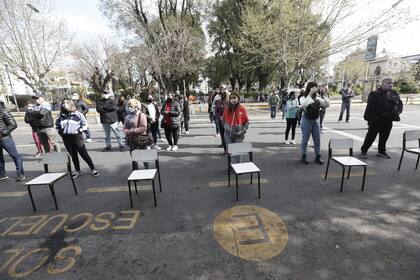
{"x":144,"y":174}
{"x":349,"y":161}
{"x":46,"y":179}
{"x":246,"y":167}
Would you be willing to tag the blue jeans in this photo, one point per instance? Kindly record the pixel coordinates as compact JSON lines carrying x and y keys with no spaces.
{"x":107,"y":129}
{"x":273,"y":111}
{"x":309,"y":127}
{"x":345,"y":106}
{"x":8,"y":144}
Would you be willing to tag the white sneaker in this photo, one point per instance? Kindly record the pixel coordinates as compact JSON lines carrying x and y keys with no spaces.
{"x":174,"y":148}
{"x":286,"y":142}
{"x":169,"y":148}
{"x":156,"y":147}
{"x":89,"y":140}
{"x":293,"y":142}
{"x":217,"y":135}
{"x":187,"y":132}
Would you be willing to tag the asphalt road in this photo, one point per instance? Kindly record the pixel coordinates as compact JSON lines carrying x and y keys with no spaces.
{"x":301,"y":228}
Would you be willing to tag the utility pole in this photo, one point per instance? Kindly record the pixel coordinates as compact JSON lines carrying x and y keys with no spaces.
{"x":11,"y":87}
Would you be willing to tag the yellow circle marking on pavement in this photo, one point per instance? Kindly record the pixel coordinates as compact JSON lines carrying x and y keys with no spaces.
{"x":250,"y":232}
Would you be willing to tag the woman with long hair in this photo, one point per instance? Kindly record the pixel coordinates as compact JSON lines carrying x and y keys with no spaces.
{"x":71,"y":124}
{"x":171,"y":111}
{"x":311,"y":104}
{"x":235,"y":122}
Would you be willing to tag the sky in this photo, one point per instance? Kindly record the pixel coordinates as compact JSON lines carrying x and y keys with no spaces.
{"x":85,"y":20}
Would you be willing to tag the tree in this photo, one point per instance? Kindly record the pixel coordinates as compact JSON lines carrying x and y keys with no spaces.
{"x":353,"y":65}
{"x":30,"y":42}
{"x":172,"y":43}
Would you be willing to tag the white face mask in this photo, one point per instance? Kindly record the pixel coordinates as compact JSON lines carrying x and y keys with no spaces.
{"x":105,"y":96}
{"x":131,"y":109}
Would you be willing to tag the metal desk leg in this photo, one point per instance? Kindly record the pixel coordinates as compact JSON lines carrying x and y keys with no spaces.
{"x":342,"y":178}
{"x":129,"y":192}
{"x":259,"y":185}
{"x":154,"y":191}
{"x":135,"y":186}
{"x":32,"y":199}
{"x":237,"y":188}
{"x":328,"y":166}
{"x":364,"y":178}
{"x":53,"y":194}
{"x":348,"y":174}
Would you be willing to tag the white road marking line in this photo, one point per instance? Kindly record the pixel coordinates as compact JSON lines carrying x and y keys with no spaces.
{"x":118,"y":189}
{"x":11,"y":194}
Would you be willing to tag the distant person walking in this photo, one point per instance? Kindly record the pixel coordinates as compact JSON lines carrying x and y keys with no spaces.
{"x":311,"y":103}
{"x":323,"y":93}
{"x":71,"y":124}
{"x":273,"y":101}
{"x":106,"y":107}
{"x":7,"y":125}
{"x":292,"y":112}
{"x":384,"y":106}
{"x":346,"y":95}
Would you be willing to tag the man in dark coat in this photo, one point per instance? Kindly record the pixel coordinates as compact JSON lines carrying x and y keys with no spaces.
{"x":346,"y":95}
{"x":383,"y":107}
{"x":106,"y":107}
{"x":7,"y":125}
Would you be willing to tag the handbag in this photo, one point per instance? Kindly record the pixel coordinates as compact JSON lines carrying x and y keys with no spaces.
{"x":141,"y":140}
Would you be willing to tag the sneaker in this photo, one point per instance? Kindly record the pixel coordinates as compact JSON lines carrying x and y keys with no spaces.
{"x":348,"y":121}
{"x":156,"y":147}
{"x":169,"y":148}
{"x":318,"y":160}
{"x":122,"y":149}
{"x":88,"y":140}
{"x":304,"y":160}
{"x":95,"y":173}
{"x":217,"y":135}
{"x":293,"y":142}
{"x":107,"y":149}
{"x":38,"y":155}
{"x":76,"y":174}
{"x":20,"y":177}
{"x":340,"y":121}
{"x":383,"y":155}
{"x":4,"y":177}
{"x":286,"y":142}
{"x":187,"y":132}
{"x":174,"y":148}
{"x":363,"y":156}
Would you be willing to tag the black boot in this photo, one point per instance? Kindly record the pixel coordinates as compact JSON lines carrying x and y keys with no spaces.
{"x":318,"y":160}
{"x":304,"y":160}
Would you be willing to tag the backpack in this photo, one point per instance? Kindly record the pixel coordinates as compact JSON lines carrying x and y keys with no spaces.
{"x":312,"y":111}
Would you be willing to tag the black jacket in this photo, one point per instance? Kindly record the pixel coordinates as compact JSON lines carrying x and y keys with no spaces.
{"x":7,"y":123}
{"x":107,"y":110}
{"x":382,"y":106}
{"x":186,"y":110}
{"x":39,"y":118}
{"x":81,"y":107}
{"x":174,"y":113}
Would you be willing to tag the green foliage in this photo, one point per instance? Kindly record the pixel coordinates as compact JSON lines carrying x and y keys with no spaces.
{"x":406,"y":84}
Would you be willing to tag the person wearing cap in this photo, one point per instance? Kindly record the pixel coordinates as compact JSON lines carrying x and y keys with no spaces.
{"x":44,"y":123}
{"x":82,"y":108}
{"x":235,"y":122}
{"x":7,"y":125}
{"x":384,"y":106}
{"x":346,"y":95}
{"x":106,"y":107}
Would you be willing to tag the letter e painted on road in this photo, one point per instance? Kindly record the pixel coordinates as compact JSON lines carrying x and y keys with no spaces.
{"x":132,"y":220}
{"x":101,"y":218}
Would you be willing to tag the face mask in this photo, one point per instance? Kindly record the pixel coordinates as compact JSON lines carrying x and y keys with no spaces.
{"x":387,"y":87}
{"x":105,"y":96}
{"x":234,"y":102}
{"x":131,"y":109}
{"x":74,"y":98}
{"x":149,"y":100}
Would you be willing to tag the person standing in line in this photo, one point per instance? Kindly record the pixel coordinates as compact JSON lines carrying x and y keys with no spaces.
{"x":106,"y":107}
{"x":216,"y":98}
{"x":121,"y":109}
{"x":218,"y":109}
{"x":44,"y":123}
{"x":235,"y":122}
{"x":384,"y":106}
{"x":346,"y":95}
{"x":284,"y":97}
{"x":154,"y":115}
{"x":274,"y":103}
{"x":292,"y":111}
{"x":29,"y":120}
{"x":311,"y":104}
{"x":7,"y":125}
{"x":185,"y":114}
{"x":323,"y":91}
{"x":135,"y":125}
{"x":301,"y":94}
{"x":71,"y":124}
{"x":171,"y":111}
{"x":84,"y":109}
{"x":210,"y":102}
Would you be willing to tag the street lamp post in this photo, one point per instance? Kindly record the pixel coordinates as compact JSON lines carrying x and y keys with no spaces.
{"x":11,"y":87}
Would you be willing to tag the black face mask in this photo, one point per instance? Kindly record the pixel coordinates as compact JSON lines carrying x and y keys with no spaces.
{"x":149,"y":101}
